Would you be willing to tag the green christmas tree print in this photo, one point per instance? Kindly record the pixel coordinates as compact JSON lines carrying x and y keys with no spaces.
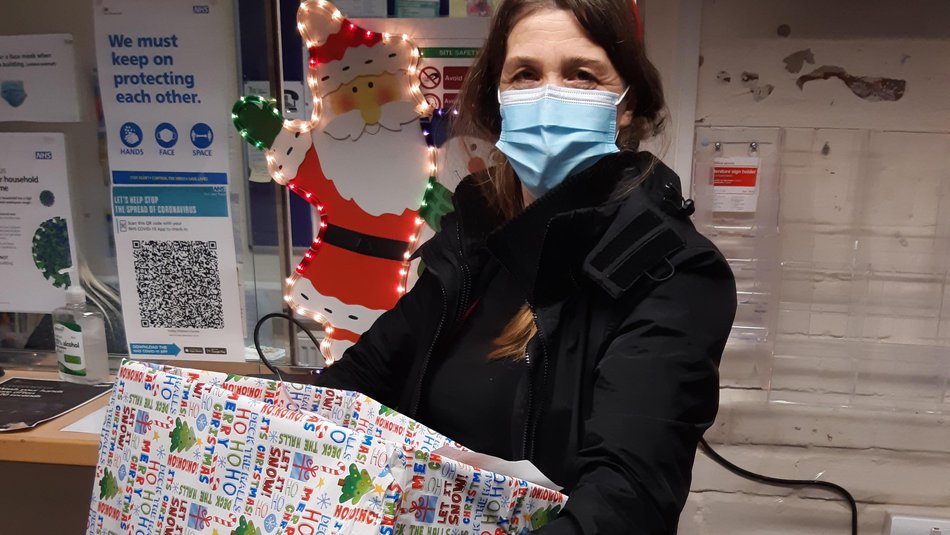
{"x":542,"y":517}
{"x":183,"y":437}
{"x":384,"y":410}
{"x":245,"y":527}
{"x":108,"y":486}
{"x":355,"y":485}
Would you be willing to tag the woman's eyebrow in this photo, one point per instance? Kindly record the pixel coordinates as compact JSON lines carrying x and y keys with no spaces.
{"x":518,"y":61}
{"x":583,"y":61}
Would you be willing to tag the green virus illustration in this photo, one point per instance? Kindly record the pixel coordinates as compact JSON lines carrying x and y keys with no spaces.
{"x":51,"y":251}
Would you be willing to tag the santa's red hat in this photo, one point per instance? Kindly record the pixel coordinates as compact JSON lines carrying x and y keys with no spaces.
{"x":341,"y":51}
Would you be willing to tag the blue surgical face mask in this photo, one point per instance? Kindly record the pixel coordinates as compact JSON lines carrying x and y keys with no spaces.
{"x":551,"y":132}
{"x":12,"y":91}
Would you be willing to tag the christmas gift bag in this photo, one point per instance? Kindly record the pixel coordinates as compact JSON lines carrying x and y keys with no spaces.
{"x":179,"y":454}
{"x":342,"y":407}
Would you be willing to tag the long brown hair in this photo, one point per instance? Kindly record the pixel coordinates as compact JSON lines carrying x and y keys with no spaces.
{"x":611,"y":24}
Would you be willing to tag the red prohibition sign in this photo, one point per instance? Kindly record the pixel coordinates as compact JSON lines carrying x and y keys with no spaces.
{"x":430,"y":77}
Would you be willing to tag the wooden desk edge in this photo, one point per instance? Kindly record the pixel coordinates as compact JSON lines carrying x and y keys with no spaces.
{"x":47,"y":443}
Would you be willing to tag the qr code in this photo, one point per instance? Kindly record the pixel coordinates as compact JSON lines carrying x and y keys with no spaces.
{"x":178,"y":284}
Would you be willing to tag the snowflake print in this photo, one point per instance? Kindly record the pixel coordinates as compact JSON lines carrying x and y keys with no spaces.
{"x":375,"y":504}
{"x":324,"y":501}
{"x":221,"y":462}
{"x":270,"y":523}
{"x":215,"y":381}
{"x":260,"y":383}
{"x":505,"y":502}
{"x":272,"y":436}
{"x":160,"y":452}
{"x":196,"y":454}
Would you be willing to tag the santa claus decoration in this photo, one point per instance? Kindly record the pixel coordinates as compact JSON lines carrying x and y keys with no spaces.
{"x":362,"y":161}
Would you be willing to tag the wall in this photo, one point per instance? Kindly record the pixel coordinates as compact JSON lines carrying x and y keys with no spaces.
{"x":858,"y":353}
{"x":671,"y":35}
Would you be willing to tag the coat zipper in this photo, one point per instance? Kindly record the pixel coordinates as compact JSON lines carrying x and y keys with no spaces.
{"x":466,"y":275}
{"x":527,"y":423}
{"x":462,"y":307}
{"x":531,"y":428}
{"x":428,"y":355}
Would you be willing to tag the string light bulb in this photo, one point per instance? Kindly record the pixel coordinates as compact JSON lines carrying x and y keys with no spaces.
{"x":314,"y":39}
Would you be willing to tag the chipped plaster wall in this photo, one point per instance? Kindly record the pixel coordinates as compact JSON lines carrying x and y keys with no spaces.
{"x":861,"y":90}
{"x":876,"y":47}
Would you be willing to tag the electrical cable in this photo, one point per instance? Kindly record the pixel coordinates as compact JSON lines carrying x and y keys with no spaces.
{"x":257,"y":338}
{"x":768,"y":480}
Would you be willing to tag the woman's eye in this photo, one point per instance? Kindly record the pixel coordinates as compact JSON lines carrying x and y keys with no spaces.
{"x":524,"y":79}
{"x":585,"y":76}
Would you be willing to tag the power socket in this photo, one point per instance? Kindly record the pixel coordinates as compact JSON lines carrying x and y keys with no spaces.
{"x":914,"y":525}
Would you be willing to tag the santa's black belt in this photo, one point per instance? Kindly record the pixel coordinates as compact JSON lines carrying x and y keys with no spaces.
{"x":365,"y":244}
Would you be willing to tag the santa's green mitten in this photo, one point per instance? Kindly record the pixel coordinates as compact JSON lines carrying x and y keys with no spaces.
{"x":438,"y":202}
{"x":258,"y":120}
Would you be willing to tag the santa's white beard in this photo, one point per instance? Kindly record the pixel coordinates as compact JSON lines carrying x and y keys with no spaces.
{"x":383,"y":171}
{"x":393,"y":116}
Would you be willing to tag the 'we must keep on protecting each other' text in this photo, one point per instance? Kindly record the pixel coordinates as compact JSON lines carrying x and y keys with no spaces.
{"x":152,"y":78}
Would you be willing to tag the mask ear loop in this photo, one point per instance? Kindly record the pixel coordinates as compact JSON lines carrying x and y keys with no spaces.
{"x":619,"y":101}
{"x":622,"y":95}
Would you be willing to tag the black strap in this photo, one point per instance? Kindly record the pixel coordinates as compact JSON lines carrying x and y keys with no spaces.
{"x":365,"y":244}
{"x":638,"y":248}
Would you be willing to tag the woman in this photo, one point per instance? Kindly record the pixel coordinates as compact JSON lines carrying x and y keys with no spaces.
{"x":569,"y":313}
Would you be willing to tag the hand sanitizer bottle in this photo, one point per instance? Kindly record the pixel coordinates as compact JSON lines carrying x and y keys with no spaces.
{"x":80,"y":335}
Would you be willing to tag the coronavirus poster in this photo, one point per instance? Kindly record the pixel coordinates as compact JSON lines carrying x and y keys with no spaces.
{"x":167,"y":76}
{"x":35,"y":223}
{"x":38,"y":78}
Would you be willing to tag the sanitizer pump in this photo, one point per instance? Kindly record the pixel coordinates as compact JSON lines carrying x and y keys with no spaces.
{"x":80,"y":337}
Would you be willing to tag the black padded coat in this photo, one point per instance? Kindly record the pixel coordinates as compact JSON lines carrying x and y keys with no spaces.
{"x":633,"y":307}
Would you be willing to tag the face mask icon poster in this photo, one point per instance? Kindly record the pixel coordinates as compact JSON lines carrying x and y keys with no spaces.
{"x":167,"y":76}
{"x":38,"y":78}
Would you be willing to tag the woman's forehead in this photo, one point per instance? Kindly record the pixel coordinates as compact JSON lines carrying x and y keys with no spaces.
{"x":551,"y":35}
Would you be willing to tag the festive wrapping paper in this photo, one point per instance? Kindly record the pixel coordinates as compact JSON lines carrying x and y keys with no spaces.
{"x":342,"y":407}
{"x":198,"y":452}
